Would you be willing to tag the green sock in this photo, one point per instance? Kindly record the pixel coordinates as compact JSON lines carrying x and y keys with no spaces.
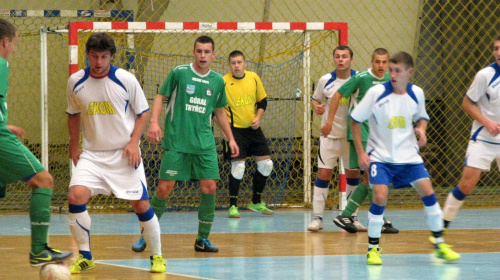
{"x":40,"y":218}
{"x":206,"y":214}
{"x":158,"y":205}
{"x":357,"y":197}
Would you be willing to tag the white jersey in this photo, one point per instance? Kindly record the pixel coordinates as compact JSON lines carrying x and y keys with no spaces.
{"x":485,"y":93}
{"x":108,"y":107}
{"x":327,"y":86}
{"x":390,"y":117}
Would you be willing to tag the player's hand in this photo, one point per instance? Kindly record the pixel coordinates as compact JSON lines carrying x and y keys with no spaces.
{"x":421,"y":137}
{"x":134,"y":154}
{"x":255,"y":123}
{"x":155,"y":135}
{"x":74,"y":154}
{"x":326,"y":129}
{"x":364,"y":161}
{"x":319,"y":109}
{"x":235,"y":150}
{"x":493,"y":128}
{"x":19,"y":132}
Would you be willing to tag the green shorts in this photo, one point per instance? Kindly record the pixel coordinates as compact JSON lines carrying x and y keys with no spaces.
{"x":16,"y":160}
{"x":178,"y":166}
{"x":353,"y":156}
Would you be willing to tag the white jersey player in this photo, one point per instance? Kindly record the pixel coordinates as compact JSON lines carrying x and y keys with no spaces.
{"x":110,"y":106}
{"x":392,"y":152}
{"x":482,"y":103}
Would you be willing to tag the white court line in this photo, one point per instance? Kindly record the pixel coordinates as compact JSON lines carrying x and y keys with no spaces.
{"x":177,"y":274}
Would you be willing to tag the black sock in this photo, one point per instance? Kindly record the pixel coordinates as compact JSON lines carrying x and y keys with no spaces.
{"x":259,"y":183}
{"x":234,"y":188}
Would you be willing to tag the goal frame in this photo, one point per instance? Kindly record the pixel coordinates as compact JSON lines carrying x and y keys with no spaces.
{"x":259,"y":27}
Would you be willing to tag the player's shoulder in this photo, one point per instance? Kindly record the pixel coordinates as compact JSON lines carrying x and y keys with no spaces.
{"x":79,"y":75}
{"x":122,"y":73}
{"x":489,"y":71}
{"x":363,"y":73}
{"x":4,"y":63}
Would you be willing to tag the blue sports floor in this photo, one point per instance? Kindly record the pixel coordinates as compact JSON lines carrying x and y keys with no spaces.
{"x":323,"y":258}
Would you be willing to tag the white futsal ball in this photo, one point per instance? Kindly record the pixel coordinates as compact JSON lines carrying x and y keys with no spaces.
{"x":55,"y":271}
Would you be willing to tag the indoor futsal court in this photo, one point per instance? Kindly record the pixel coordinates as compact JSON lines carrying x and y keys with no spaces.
{"x":267,"y":247}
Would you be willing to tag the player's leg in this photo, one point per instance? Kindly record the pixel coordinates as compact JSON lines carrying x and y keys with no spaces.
{"x":18,"y":163}
{"x":264,"y":169}
{"x":375,"y":223}
{"x":79,"y":223}
{"x":320,"y":195}
{"x":150,"y":229}
{"x":171,"y":160}
{"x":237,"y":172}
{"x":434,"y":215}
{"x":205,"y":168}
{"x":258,"y":147}
{"x":353,"y":180}
{"x":456,"y":198}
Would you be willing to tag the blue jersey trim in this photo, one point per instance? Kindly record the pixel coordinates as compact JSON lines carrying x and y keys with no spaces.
{"x":112,"y":76}
{"x":334,"y":76}
{"x":389,"y":90}
{"x":497,"y":73}
{"x":86,"y":75}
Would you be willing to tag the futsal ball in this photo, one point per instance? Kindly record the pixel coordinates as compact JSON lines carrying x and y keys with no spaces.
{"x":55,"y":271}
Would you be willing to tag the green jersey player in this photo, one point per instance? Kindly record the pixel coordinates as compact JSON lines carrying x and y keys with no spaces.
{"x":194,"y":92}
{"x":18,"y":163}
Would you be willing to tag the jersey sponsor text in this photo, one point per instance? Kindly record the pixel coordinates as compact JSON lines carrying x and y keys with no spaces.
{"x":101,"y":108}
{"x":397,"y":122}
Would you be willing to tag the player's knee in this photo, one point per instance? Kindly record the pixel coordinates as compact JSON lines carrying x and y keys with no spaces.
{"x":238,"y":169}
{"x":42,"y":179}
{"x":265,"y":167}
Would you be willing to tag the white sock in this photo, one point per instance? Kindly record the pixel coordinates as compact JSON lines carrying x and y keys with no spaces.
{"x":79,"y":224}
{"x":375,"y":223}
{"x":434,"y":217}
{"x":319,"y":201}
{"x":451,"y":207}
{"x":151,"y":233}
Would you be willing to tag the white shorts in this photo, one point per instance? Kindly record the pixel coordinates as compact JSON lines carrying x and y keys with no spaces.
{"x":330,"y":150}
{"x":106,"y":172}
{"x":480,"y":155}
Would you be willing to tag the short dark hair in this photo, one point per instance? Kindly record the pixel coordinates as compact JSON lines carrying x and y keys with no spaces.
{"x":380,"y":51}
{"x":204,"y":39}
{"x":343,"y":48}
{"x":7,"y":29}
{"x":236,"y":53}
{"x":101,"y":41}
{"x":402,"y":57}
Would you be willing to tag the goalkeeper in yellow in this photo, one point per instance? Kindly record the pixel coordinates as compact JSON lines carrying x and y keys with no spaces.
{"x":246,"y":103}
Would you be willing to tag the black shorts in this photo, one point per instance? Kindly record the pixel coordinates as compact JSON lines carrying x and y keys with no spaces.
{"x":251,"y":142}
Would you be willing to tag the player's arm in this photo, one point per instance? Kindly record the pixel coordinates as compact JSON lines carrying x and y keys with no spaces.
{"x":473,"y":111}
{"x":332,"y":110}
{"x":132,"y":149}
{"x":223,"y":122}
{"x":318,"y":108}
{"x":420,"y":130}
{"x":154,"y":133}
{"x":261,"y":107}
{"x":363,"y":158}
{"x":74,"y":137}
{"x":19,"y":132}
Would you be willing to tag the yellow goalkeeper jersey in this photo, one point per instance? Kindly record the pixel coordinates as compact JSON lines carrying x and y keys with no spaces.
{"x":242,"y":94}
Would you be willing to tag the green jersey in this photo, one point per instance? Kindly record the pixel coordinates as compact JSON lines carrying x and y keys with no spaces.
{"x":4,"y":85}
{"x":192,"y":99}
{"x":355,"y":89}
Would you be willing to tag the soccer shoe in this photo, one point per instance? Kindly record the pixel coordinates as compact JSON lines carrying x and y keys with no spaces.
{"x":48,"y":255}
{"x":315,"y":225}
{"x":388,"y":228}
{"x":432,"y":240}
{"x":204,"y":245}
{"x":444,"y":251}
{"x":345,"y":223}
{"x":233,"y":212}
{"x":358,"y":224}
{"x":158,"y":264}
{"x":81,"y":264}
{"x":260,"y":207}
{"x":373,"y":256}
{"x":139,"y":246}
